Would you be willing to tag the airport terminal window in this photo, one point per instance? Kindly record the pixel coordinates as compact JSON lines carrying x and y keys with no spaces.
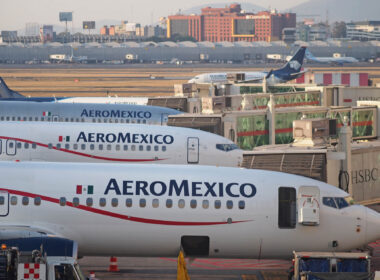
{"x":58,"y":146}
{"x":92,"y":147}
{"x":30,"y":119}
{"x":7,"y":118}
{"x":2,"y":200}
{"x":34,"y":145}
{"x":141,"y":148}
{"x":2,"y":118}
{"x":218,"y":204}
{"x":24,"y":118}
{"x":169,"y":203}
{"x":117,"y":147}
{"x":229,"y":204}
{"x":148,"y":148}
{"x":26,"y":145}
{"x":156,"y":148}
{"x":13,"y":118}
{"x":144,"y":121}
{"x":155,"y":203}
{"x":109,"y":147}
{"x":128,"y":202}
{"x":19,"y":145}
{"x":163,"y":148}
{"x":62,"y":201}
{"x":193,"y":203}
{"x":138,"y":121}
{"x":100,"y":147}
{"x":133,"y":148}
{"x":127,"y":121}
{"x":77,"y":120}
{"x":125,"y":147}
{"x":142,"y":202}
{"x":49,"y":119}
{"x":286,"y":207}
{"x":37,"y":201}
{"x":181,"y":203}
{"x":205,"y":204}
{"x":83,"y":146}
{"x":72,"y":119}
{"x":82,"y":120}
{"x":13,"y":200}
{"x":36,"y":118}
{"x":66,"y":119}
{"x":102,"y":202}
{"x":105,"y":120}
{"x":76,"y":201}
{"x":19,"y":118}
{"x":116,"y":120}
{"x":114,"y":202}
{"x":99,"y":120}
{"x":241,"y":204}
{"x":122,"y":120}
{"x":110,"y":120}
{"x":67,"y":146}
{"x":25,"y":200}
{"x":93,"y":120}
{"x":89,"y":202}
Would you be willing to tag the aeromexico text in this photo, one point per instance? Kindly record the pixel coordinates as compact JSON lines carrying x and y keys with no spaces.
{"x":116,"y":114}
{"x":180,"y":188}
{"x":134,"y":138}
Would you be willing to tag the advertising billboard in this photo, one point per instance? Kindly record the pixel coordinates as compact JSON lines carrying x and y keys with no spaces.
{"x":89,"y":25}
{"x":65,"y":16}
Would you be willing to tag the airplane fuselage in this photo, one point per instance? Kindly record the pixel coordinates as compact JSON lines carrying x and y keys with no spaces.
{"x":131,"y":210}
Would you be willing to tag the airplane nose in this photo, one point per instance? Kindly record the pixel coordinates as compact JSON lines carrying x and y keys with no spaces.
{"x":373,"y":225}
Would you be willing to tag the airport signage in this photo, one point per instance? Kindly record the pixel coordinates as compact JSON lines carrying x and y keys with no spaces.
{"x":364,"y":175}
{"x":134,"y":138}
{"x":116,"y":114}
{"x":65,"y":16}
{"x":89,"y":25}
{"x":184,"y":188}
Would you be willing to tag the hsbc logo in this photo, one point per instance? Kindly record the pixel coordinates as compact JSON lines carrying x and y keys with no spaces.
{"x":295,"y":65}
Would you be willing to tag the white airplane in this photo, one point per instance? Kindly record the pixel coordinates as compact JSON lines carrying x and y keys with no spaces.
{"x":333,"y":60}
{"x":84,"y":112}
{"x":6,"y":94}
{"x":290,"y":71}
{"x":128,"y":143}
{"x":218,"y":212}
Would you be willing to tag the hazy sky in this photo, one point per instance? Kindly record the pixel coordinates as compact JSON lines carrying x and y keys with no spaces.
{"x":15,"y":13}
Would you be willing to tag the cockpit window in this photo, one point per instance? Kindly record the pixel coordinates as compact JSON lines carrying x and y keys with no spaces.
{"x":227,"y":147}
{"x":337,"y":202}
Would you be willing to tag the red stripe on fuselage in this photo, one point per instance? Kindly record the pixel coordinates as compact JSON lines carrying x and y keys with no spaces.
{"x":116,"y":215}
{"x":78,"y":153}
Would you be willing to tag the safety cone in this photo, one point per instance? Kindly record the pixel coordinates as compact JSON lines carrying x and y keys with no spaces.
{"x":113,"y":265}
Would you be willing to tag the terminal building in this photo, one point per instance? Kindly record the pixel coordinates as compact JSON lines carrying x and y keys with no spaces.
{"x":364,"y":30}
{"x":230,"y":24}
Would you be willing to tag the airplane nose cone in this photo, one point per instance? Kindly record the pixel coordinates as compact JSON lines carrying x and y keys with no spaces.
{"x":373,"y":225}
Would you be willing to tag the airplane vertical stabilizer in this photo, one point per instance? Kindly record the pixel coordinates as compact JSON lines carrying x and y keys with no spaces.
{"x":6,"y":92}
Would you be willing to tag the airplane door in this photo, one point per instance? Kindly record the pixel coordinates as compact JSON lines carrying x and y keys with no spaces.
{"x":308,"y":205}
{"x":11,"y":147}
{"x":192,"y":150}
{"x":4,"y":203}
{"x":164,"y":118}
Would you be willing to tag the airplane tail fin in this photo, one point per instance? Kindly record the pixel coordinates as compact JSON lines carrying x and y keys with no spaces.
{"x":295,"y":63}
{"x":6,"y":92}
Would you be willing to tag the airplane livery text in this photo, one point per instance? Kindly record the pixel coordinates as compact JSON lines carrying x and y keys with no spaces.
{"x":134,"y":138}
{"x":116,"y":114}
{"x":182,"y":188}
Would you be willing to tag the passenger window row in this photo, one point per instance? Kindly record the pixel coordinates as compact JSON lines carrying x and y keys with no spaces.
{"x":91,"y":147}
{"x":142,"y":202}
{"x":14,"y":118}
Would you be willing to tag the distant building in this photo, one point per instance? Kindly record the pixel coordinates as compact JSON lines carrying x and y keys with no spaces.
{"x":154,"y":31}
{"x":230,"y":24}
{"x":105,"y":30}
{"x":363,"y":30}
{"x":32,"y":29}
{"x":46,"y":33}
{"x":310,"y":31}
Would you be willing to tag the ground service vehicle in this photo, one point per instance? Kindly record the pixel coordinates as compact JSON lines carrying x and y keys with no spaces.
{"x":331,"y":265}
{"x":16,"y":265}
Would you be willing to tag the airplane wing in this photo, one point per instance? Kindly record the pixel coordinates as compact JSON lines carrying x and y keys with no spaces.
{"x":20,"y":231}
